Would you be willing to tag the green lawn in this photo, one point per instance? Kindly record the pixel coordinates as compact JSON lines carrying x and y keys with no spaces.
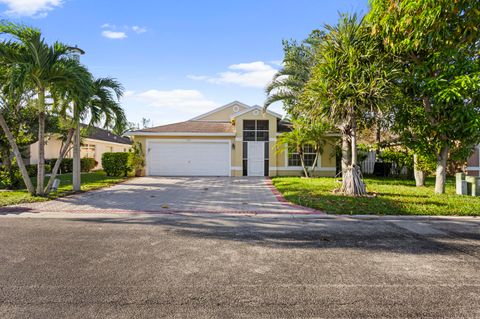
{"x":90,"y":181}
{"x":393,"y":197}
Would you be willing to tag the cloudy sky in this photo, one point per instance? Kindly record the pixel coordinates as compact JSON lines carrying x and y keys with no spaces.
{"x":180,"y":58}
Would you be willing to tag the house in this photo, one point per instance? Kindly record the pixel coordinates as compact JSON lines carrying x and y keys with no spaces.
{"x":232,"y":140}
{"x":473,"y":163}
{"x":96,"y":142}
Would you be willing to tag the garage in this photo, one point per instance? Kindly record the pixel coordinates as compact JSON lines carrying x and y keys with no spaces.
{"x":188,"y":157}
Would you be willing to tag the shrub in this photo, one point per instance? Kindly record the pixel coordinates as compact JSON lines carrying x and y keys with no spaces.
{"x":137,"y":161}
{"x":65,"y":167}
{"x":31,"y":170}
{"x":10,"y":179}
{"x":87,"y":164}
{"x":116,"y":164}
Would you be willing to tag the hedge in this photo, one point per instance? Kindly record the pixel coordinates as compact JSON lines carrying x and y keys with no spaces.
{"x":32,"y":169}
{"x":116,"y":164}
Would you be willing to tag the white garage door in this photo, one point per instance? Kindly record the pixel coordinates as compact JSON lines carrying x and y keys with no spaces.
{"x":189,"y":158}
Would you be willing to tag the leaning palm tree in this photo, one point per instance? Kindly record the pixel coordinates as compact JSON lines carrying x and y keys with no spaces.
{"x":349,"y":82}
{"x":14,"y":95}
{"x":46,"y":67}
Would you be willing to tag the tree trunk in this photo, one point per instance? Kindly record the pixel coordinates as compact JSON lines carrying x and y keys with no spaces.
{"x":352,"y":183}
{"x":441,"y":173}
{"x":354,"y":143}
{"x":346,"y":152}
{"x":418,"y":174}
{"x":18,"y":155}
{"x":314,"y":164}
{"x":55,"y":168}
{"x":76,"y":174}
{"x":305,"y":170}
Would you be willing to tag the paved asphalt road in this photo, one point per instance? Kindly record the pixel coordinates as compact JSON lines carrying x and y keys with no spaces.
{"x":203,"y":266}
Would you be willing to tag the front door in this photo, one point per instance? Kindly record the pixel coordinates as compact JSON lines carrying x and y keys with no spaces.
{"x":256,"y":158}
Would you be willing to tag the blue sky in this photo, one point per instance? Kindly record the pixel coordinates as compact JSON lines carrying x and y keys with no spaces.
{"x":178,"y":59}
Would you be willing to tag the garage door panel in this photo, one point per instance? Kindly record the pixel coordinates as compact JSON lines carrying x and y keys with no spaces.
{"x":189,"y":158}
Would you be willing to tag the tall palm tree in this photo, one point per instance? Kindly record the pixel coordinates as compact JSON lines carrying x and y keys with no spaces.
{"x":47,"y":67}
{"x":102,"y":105}
{"x":289,"y":82}
{"x":349,"y":83}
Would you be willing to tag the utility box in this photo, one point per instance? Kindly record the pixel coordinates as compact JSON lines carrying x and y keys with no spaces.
{"x":473,"y":185}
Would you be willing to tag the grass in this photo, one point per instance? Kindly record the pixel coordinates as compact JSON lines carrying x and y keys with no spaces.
{"x":393,"y":197}
{"x":90,"y":181}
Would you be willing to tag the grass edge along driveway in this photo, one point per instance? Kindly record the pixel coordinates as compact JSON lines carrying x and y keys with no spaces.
{"x":393,"y":197}
{"x":90,"y":181}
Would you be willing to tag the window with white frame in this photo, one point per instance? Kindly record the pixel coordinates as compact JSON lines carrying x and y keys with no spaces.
{"x":308,"y":156}
{"x":87,"y":150}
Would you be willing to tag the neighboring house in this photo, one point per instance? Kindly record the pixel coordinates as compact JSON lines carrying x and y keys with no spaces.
{"x":232,"y":140}
{"x":97,"y":142}
{"x":473,"y":163}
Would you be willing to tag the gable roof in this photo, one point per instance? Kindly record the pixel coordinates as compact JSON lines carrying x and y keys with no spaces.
{"x":190,"y":127}
{"x":256,"y":107}
{"x":218,"y":109}
{"x":96,"y":133}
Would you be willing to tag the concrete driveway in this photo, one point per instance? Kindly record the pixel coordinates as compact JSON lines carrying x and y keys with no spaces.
{"x":173,"y":194}
{"x":239,"y":266}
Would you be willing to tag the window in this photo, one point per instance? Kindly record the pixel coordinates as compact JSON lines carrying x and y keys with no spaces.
{"x":87,"y":150}
{"x":308,"y":156}
{"x":255,"y":130}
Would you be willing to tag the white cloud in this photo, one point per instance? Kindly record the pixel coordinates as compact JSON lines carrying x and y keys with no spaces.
{"x":38,"y":8}
{"x":190,"y":101}
{"x":117,"y":35}
{"x":254,"y":74}
{"x":138,"y":29}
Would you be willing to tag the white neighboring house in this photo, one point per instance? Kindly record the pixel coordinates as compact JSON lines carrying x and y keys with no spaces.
{"x":97,"y":142}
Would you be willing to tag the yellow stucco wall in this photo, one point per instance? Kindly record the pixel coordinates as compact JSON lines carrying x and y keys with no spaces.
{"x":223,"y":114}
{"x":53,"y":145}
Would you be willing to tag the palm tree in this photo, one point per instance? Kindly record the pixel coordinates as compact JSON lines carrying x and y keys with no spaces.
{"x":102,"y":105}
{"x":288,"y":83}
{"x":349,"y":83}
{"x":46,"y":67}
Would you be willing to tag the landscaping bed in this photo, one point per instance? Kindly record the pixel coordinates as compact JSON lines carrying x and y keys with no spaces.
{"x":391,"y":197}
{"x":90,"y":181}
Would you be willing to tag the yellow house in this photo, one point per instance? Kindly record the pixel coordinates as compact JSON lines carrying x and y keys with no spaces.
{"x":97,"y":142}
{"x":232,"y":140}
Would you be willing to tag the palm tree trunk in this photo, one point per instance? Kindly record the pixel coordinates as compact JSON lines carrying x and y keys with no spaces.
{"x":418,"y":174}
{"x":18,"y":155}
{"x":55,"y":168}
{"x":41,"y":143}
{"x":352,"y":183}
{"x":76,"y":175}
{"x":441,"y":173}
{"x":314,"y":164}
{"x":346,"y":151}
{"x":354,"y":142}
{"x":305,"y":170}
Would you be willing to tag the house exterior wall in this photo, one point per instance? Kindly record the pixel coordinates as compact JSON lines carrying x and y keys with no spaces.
{"x":53,"y":145}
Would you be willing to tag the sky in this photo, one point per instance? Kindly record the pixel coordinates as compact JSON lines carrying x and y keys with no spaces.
{"x":178,"y":59}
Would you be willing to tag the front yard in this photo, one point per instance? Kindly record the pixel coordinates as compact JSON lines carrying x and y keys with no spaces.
{"x":90,"y":181}
{"x":393,"y":197}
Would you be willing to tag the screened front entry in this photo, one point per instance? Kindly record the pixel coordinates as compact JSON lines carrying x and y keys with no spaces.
{"x":255,"y":148}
